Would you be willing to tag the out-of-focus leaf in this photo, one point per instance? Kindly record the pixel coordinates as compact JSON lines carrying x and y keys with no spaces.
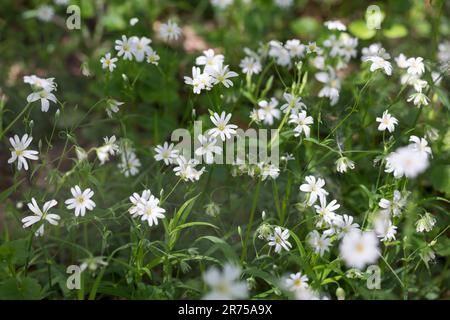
{"x":359,"y":29}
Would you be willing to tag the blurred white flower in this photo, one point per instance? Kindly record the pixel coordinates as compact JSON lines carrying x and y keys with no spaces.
{"x":169,"y":31}
{"x":250,"y":65}
{"x":268,"y":111}
{"x":406,"y":161}
{"x":359,"y":249}
{"x":335,"y":25}
{"x":296,"y":281}
{"x":225,"y":285}
{"x":415,"y":66}
{"x":319,"y":243}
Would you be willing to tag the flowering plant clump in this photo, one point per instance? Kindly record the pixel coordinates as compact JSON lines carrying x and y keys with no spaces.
{"x":168,"y":151}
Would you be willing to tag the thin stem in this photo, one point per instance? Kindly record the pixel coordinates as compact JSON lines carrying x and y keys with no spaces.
{"x":250,"y":222}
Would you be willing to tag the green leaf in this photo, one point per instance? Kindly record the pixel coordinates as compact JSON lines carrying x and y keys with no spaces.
{"x":396,"y":31}
{"x":14,"y":252}
{"x":306,"y":26}
{"x":359,"y":29}
{"x":5,"y":194}
{"x":192,"y":224}
{"x":20,"y":289}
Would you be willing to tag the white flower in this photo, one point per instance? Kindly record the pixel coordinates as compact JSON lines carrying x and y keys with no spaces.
{"x":308,"y":294}
{"x":166,"y":153}
{"x":225,"y":285}
{"x":125,"y":48}
{"x":301,"y":122}
{"x":199,"y":81}
{"x":81,"y":201}
{"x":415,"y":66}
{"x":320,"y":243}
{"x":221,"y":4}
{"x":210,"y":60}
{"x":152,"y":57}
{"x":130,"y":163}
{"x":268,"y":111}
{"x":39,"y":84}
{"x":335,"y":25}
{"x":295,"y":48}
{"x":250,"y":65}
{"x":93,"y":263}
{"x":279,"y":239}
{"x":149,"y":210}
{"x":425,"y":223}
{"x":45,"y":96}
{"x":20,"y":152}
{"x":444,"y":52}
{"x":62,"y":2}
{"x":186,"y":169}
{"x":208,"y":148}
{"x":419,"y":99}
{"x":296,"y":281}
{"x":39,"y":215}
{"x":269,"y":170}
{"x":108,"y":62}
{"x":284,"y":4}
{"x":406,"y":161}
{"x":420,"y":145}
{"x":326,"y":211}
{"x":342,"y":225}
{"x":134,"y":21}
{"x":332,"y":85}
{"x":318,"y":62}
{"x":344,"y":163}
{"x":373,"y":50}
{"x":314,"y":188}
{"x":359,"y":249}
{"x":45,"y":13}
{"x":395,"y":206}
{"x":112,"y":106}
{"x":279,"y":53}
{"x":222,"y":129}
{"x":293,"y":103}
{"x":221,"y":75}
{"x":384,"y":228}
{"x":417,"y":83}
{"x":379,"y":62}
{"x":136,"y":199}
{"x":110,"y":147}
{"x":401,"y":61}
{"x":312,"y":47}
{"x":169,"y":31}
{"x":387,"y":122}
{"x":140,"y":47}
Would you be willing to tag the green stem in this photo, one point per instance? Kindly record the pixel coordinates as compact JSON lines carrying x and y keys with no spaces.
{"x":15,"y":120}
{"x":250,"y":222}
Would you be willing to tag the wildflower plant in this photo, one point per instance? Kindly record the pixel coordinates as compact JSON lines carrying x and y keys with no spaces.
{"x":102,"y":166}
